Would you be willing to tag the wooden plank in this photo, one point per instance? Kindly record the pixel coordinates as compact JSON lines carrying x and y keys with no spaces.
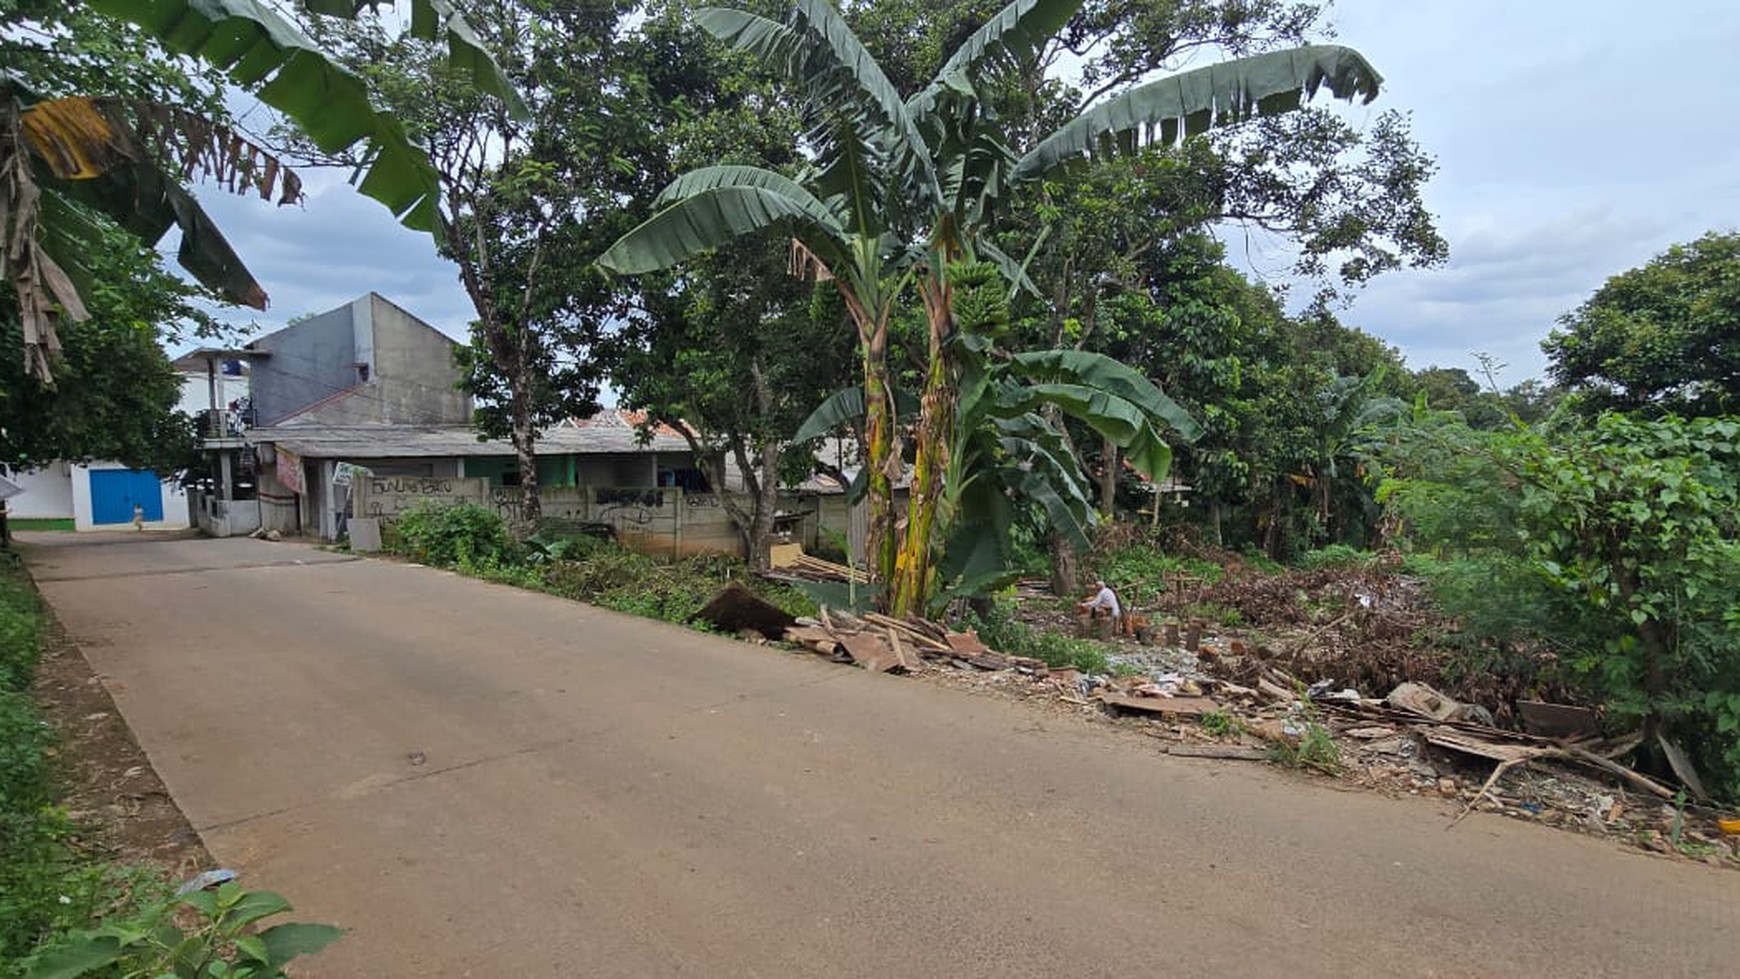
{"x":784,"y":555}
{"x":1229,"y":751}
{"x":967,"y":644}
{"x":871,"y":651}
{"x":1179,"y":706}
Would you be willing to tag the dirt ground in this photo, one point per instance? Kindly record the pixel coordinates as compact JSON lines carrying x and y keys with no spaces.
{"x":111,"y":791}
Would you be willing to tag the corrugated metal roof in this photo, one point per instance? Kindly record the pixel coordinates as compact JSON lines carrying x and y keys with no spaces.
{"x":423,"y":442}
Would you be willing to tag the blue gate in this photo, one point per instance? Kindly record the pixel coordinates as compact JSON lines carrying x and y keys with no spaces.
{"x":115,"y":491}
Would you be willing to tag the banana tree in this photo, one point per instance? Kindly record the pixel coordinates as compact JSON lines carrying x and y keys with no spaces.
{"x":898,"y":189}
{"x":67,"y":163}
{"x":1012,"y":466}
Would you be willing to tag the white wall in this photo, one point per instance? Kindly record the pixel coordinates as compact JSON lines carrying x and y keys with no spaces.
{"x":48,"y":492}
{"x":196,"y":391}
{"x":175,"y":512}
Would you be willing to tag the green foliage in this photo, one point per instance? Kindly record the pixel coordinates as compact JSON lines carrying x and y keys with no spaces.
{"x":461,"y":534}
{"x":1005,"y":633}
{"x":1613,"y":544}
{"x":475,"y":541}
{"x":47,"y":883}
{"x":115,"y":394}
{"x":1316,"y":750}
{"x":199,"y":935}
{"x":1222,"y":723}
{"x":1663,"y":337}
{"x":20,"y":634}
{"x":1142,"y":568}
{"x":1335,"y":556}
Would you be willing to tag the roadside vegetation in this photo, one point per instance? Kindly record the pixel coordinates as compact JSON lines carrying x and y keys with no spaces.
{"x":475,"y":541}
{"x":51,"y":880}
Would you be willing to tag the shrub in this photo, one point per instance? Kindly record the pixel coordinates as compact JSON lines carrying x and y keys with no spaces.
{"x":460,"y":534}
{"x":1335,"y":556}
{"x":20,"y":634}
{"x":1002,"y":631}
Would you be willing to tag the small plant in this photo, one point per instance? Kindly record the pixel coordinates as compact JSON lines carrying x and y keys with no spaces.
{"x":1126,"y":670}
{"x":1222,"y":615}
{"x":1221,"y":723}
{"x":219,"y":942}
{"x":1316,"y":750}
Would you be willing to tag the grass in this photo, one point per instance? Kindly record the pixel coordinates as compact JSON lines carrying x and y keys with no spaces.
{"x":1222,"y":723}
{"x":49,"y":884}
{"x":473,"y":541}
{"x":1316,"y":750}
{"x":40,"y":523}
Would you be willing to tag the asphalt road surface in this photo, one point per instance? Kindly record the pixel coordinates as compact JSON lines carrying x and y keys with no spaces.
{"x":480,"y":781}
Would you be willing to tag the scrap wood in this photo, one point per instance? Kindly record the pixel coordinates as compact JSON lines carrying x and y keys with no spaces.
{"x":1234,"y":752}
{"x":1182,"y":706}
{"x":1643,"y":782}
{"x":966,"y":643}
{"x":909,"y":660}
{"x":805,"y":566}
{"x":910,"y":634}
{"x":1491,"y":780}
{"x":871,"y":651}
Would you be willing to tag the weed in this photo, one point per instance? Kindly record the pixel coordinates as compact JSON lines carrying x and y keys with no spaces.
{"x":448,"y":535}
{"x":1316,"y":750}
{"x":1222,"y":615}
{"x":1126,"y":670}
{"x":1002,"y":631}
{"x":202,"y":933}
{"x":1221,"y":723}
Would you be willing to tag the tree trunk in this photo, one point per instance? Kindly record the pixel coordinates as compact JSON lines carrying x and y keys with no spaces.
{"x":524,"y":439}
{"x":1110,"y":462}
{"x":1213,"y":519}
{"x":912,"y":582}
{"x":1065,"y":567}
{"x":767,"y":503}
{"x":881,"y":460}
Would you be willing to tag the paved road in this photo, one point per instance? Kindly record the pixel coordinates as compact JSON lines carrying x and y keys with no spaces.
{"x":479,"y":781}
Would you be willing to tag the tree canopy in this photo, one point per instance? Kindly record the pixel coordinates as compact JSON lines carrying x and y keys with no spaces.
{"x":1664,"y":337}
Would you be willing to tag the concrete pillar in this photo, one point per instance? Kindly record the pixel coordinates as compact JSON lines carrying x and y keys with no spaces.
{"x":211,"y":385}
{"x":224,"y":474}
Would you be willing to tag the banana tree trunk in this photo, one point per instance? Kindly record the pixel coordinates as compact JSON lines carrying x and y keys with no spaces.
{"x":881,"y":462}
{"x":936,"y":424}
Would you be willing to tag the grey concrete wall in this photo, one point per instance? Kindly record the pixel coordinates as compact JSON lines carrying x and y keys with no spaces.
{"x":316,"y":362}
{"x":413,"y":371}
{"x":310,"y":361}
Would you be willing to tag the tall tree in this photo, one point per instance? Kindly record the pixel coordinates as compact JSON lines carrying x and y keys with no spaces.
{"x":1664,"y":337}
{"x":526,"y":204}
{"x":908,"y":186}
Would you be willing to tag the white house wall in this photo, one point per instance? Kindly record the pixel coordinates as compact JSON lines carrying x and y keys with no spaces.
{"x":175,"y":512}
{"x":48,"y":493}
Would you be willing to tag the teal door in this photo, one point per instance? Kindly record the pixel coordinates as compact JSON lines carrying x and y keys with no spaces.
{"x":115,"y":491}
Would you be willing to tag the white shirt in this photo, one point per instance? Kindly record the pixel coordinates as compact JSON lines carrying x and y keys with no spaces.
{"x":1106,"y":599}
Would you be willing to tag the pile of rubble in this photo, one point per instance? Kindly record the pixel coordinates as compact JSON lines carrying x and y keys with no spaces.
{"x":1229,"y":699}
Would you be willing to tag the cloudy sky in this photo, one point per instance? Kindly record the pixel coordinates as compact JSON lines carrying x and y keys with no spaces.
{"x":1575,"y":139}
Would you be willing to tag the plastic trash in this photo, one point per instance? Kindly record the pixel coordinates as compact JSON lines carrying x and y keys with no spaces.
{"x":206,"y":879}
